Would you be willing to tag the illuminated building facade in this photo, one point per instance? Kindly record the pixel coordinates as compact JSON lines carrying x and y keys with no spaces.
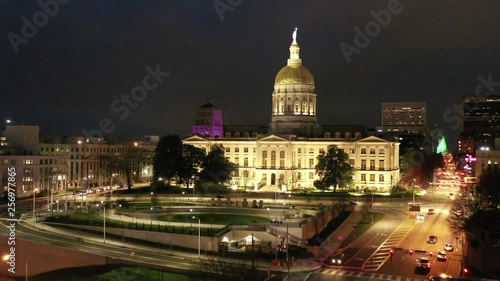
{"x":285,"y":158}
{"x":408,"y":117}
{"x":208,"y":121}
{"x":481,"y":120}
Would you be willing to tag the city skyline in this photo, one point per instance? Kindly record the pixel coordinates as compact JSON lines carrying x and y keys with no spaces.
{"x":68,"y":75}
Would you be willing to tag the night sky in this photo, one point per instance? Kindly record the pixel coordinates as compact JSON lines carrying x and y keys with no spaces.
{"x":67,"y":75}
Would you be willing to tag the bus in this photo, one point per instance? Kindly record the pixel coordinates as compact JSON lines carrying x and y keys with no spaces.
{"x":414,"y":207}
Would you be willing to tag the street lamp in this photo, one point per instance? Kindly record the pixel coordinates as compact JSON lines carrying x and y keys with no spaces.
{"x":57,"y":201}
{"x":199,"y":235}
{"x":413,"y":190}
{"x":34,"y":193}
{"x":268,"y":217}
{"x":104,"y":216}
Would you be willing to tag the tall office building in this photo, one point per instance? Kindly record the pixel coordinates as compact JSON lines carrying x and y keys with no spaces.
{"x":208,"y":121}
{"x":408,"y":117}
{"x":481,"y":120}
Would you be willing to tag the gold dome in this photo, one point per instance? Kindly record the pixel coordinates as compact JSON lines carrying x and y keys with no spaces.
{"x":294,"y":74}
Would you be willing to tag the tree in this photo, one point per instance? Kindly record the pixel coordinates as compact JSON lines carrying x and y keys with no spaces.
{"x":141,"y":158}
{"x":192,"y":160}
{"x":222,"y":268}
{"x":489,"y":185}
{"x":216,"y":168}
{"x":168,"y":157}
{"x":333,"y":169}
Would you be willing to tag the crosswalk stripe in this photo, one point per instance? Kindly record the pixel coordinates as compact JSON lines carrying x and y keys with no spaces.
{"x":381,"y":276}
{"x":334,"y":271}
{"x":408,"y":279}
{"x":398,"y":278}
{"x":351,"y":273}
{"x":359,"y":274}
{"x":373,"y":275}
{"x":389,"y":277}
{"x":341,"y":272}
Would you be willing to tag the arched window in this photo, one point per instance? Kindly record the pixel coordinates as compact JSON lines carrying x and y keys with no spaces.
{"x":357,"y":135}
{"x":246,"y":135}
{"x":237,"y":135}
{"x":273,"y":159}
{"x":296,"y":108}
{"x":228,"y":135}
{"x":328,"y":135}
{"x":282,"y":107}
{"x":282,"y":159}
{"x":254,"y":134}
{"x":311,"y":108}
{"x":347,"y":135}
{"x":304,"y":108}
{"x":264,"y":159}
{"x":338,"y":135}
{"x":245,"y":173}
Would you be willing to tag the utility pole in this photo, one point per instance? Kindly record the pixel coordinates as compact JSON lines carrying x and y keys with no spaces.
{"x":253,"y":257}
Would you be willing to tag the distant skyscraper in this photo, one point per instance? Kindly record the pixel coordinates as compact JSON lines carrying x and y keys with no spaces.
{"x":481,"y":120}
{"x":404,"y":117}
{"x":208,"y":121}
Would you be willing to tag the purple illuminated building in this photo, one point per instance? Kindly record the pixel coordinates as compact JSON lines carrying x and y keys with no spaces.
{"x":208,"y":121}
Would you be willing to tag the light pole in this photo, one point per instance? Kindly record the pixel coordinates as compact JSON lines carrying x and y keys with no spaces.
{"x":57,"y":201}
{"x":371,"y":208}
{"x":199,"y":235}
{"x":413,"y":191}
{"x":104,"y":216}
{"x":192,"y":182}
{"x":34,"y":207}
{"x":268,"y":216}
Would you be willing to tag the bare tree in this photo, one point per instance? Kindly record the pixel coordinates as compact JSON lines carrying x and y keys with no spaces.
{"x":222,"y":268}
{"x":468,"y":202}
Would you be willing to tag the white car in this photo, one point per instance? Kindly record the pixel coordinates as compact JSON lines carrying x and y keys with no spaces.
{"x":420,"y":217}
{"x":442,"y":256}
{"x":448,"y":248}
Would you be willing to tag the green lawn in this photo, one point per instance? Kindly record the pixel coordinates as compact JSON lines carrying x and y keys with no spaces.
{"x":222,"y":219}
{"x":362,"y":227}
{"x":143,"y":274}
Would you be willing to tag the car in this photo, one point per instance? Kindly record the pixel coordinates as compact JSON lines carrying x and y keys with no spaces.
{"x":448,"y":248}
{"x":423,"y":263}
{"x":430,"y":212}
{"x":420,"y":217}
{"x":441,"y":256}
{"x":220,"y":196}
{"x":441,"y":277}
{"x":432,"y":239}
{"x":458,"y":213}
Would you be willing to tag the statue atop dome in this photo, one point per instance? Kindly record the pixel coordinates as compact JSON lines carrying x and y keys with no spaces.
{"x":294,"y":36}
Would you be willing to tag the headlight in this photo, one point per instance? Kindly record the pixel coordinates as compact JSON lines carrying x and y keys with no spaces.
{"x":339,"y":261}
{"x":333,"y":261}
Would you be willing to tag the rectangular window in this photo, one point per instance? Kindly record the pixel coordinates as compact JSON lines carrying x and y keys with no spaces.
{"x":245,"y":149}
{"x":351,"y":150}
{"x":228,"y":149}
{"x":381,"y":165}
{"x":236,"y":149}
{"x":237,"y":161}
{"x":363,"y":150}
{"x":372,"y":164}
{"x":381,"y":178}
{"x":372,"y":177}
{"x":321,"y":151}
{"x":363,"y":164}
{"x":298,"y":151}
{"x":299,"y":163}
{"x":311,"y":151}
{"x":381,"y":151}
{"x":351,"y":162}
{"x":299,"y":175}
{"x":245,"y":162}
{"x":311,"y":163}
{"x":311,"y":175}
{"x":363,"y":177}
{"x":372,"y":151}
{"x":254,"y":150}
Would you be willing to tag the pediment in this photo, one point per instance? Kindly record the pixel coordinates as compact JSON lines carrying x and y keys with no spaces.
{"x":373,"y":139}
{"x":272,"y":138}
{"x":195,"y":138}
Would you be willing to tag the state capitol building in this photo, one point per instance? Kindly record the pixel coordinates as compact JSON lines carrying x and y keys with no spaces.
{"x":283,"y":156}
